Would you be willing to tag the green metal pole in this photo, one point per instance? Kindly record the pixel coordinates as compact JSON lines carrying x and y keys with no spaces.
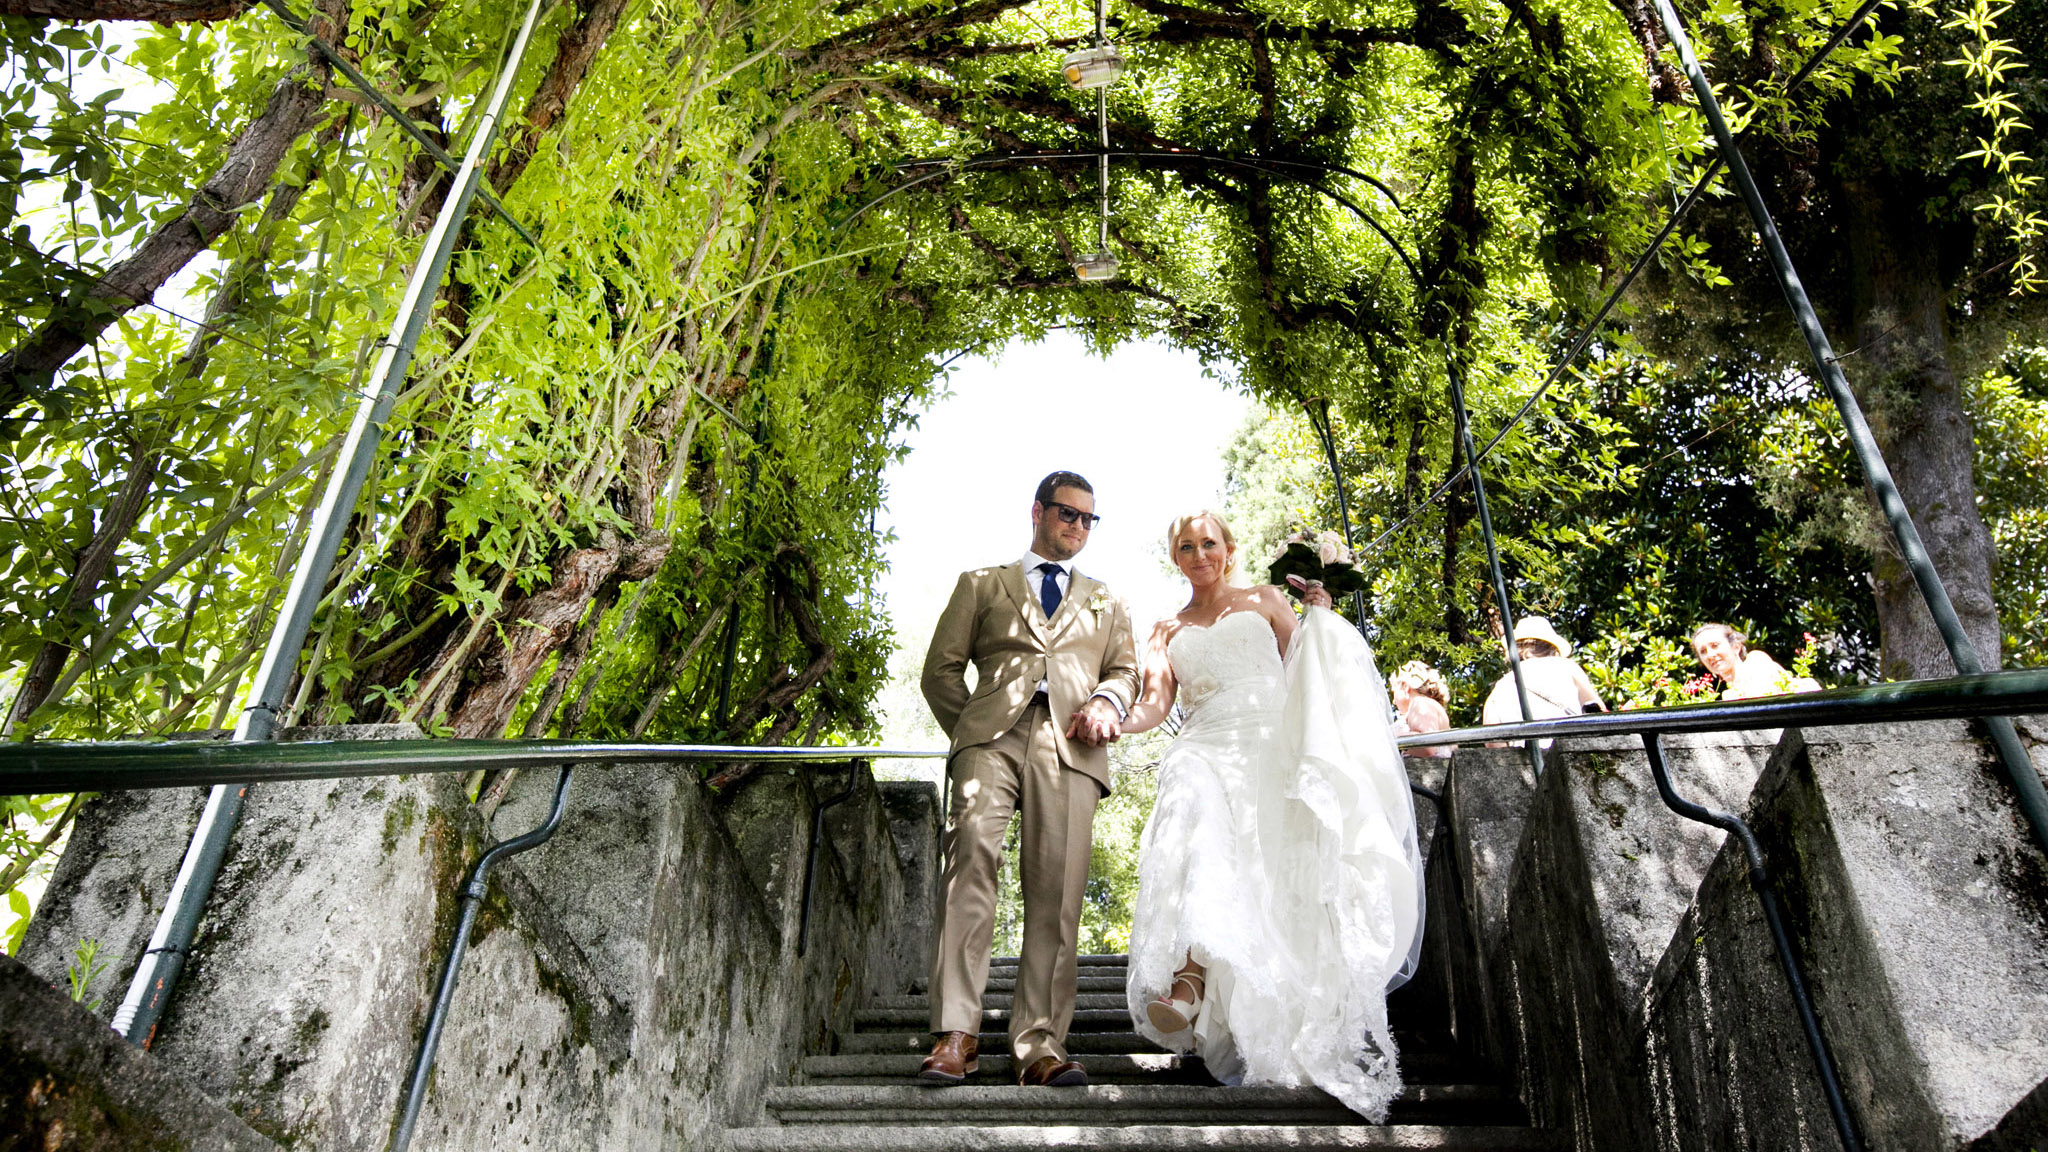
{"x":1320,"y":419}
{"x":149,"y":992}
{"x":2019,"y":768}
{"x":1500,"y":582}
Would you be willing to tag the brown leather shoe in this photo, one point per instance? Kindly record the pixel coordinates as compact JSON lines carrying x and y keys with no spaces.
{"x":1053,"y":1072}
{"x":954,"y":1058}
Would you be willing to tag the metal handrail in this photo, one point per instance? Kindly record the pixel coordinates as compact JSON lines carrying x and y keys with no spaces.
{"x":1998,"y":694}
{"x":43,"y":767}
{"x":2009,"y":693}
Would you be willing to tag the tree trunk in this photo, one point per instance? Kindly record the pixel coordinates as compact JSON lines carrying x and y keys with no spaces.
{"x":28,"y":369}
{"x":483,"y":695}
{"x":1902,"y":373}
{"x":94,"y":560}
{"x":157,"y":11}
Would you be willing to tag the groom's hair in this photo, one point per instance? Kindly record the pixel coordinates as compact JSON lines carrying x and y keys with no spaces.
{"x":1050,"y":486}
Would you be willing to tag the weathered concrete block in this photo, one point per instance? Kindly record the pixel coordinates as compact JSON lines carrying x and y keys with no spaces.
{"x":120,"y":861}
{"x":628,"y":985}
{"x":1486,"y":799}
{"x":1920,"y":908}
{"x":1488,"y":792}
{"x":912,"y":807}
{"x":67,"y":1081}
{"x":111,"y":884}
{"x":1430,"y":999}
{"x":1603,"y":875}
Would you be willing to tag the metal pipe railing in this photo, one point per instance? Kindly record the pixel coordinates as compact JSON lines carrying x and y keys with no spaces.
{"x":1987,"y":694}
{"x":1500,"y":580}
{"x":150,"y":988}
{"x":1877,"y":475}
{"x":474,"y":890}
{"x":44,"y":767}
{"x":817,"y":845}
{"x":1774,"y":918}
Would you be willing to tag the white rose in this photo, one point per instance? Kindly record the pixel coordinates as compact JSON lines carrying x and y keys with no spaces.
{"x":1327,"y":551}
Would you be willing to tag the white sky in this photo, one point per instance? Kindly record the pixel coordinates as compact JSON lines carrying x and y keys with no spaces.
{"x":1146,"y":428}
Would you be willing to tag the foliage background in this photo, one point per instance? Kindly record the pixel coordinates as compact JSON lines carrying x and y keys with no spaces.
{"x":630,"y":484}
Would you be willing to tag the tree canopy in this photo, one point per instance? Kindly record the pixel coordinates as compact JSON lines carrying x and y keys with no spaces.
{"x":630,"y":484}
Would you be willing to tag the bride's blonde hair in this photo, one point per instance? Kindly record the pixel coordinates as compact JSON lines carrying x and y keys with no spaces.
{"x":1180,"y":524}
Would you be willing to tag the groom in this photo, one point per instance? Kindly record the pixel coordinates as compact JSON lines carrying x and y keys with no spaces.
{"x":1057,"y":674}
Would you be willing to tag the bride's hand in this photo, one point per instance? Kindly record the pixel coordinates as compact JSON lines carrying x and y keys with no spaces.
{"x":1317,"y":596}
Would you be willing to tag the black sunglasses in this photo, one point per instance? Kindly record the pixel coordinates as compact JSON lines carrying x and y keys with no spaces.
{"x":1068,"y":514}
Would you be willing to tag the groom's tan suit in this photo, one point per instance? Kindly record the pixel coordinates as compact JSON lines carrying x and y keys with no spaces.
{"x":1011,"y":753}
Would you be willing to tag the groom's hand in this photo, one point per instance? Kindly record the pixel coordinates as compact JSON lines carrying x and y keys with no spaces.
{"x":1095,"y":723}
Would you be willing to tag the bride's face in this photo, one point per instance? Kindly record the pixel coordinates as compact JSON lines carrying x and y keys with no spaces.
{"x":1200,"y":553}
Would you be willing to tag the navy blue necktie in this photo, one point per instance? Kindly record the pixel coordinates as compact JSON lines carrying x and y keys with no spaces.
{"x":1049,"y":591}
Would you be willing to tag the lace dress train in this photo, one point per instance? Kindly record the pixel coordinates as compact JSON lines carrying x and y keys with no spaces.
{"x":1282,"y":855}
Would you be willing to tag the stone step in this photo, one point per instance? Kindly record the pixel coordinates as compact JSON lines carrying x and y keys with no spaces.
{"x":1147,"y":1138}
{"x":1110,"y":1019}
{"x":1093,"y":959}
{"x":1117,"y":972}
{"x":1086,"y":984}
{"x":998,"y":1070}
{"x":1094,"y":995}
{"x":901,"y":1067}
{"x":920,"y":1042}
{"x":1124,"y":1104}
{"x":1411,"y":1045}
{"x":1108,"y":998}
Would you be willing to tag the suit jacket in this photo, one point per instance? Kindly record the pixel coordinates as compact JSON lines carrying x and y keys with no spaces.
{"x":994,"y":621}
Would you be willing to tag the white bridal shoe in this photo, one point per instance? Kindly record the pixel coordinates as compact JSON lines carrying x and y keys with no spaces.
{"x":1170,"y":1015}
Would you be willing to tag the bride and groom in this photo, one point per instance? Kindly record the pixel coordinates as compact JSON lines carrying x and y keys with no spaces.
{"x":1280,"y":883}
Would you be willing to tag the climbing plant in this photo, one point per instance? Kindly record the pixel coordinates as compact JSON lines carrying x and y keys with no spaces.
{"x":629,"y":483}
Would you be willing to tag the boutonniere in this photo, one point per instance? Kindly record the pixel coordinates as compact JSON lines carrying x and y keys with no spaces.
{"x":1099,"y":603}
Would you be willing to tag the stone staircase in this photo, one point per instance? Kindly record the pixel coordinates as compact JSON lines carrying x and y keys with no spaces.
{"x":866,"y":1098}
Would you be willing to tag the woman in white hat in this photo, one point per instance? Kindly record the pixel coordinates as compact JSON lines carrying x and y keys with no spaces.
{"x":1557,"y":685}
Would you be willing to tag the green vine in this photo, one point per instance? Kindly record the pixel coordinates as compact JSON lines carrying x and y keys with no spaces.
{"x":1988,"y":63}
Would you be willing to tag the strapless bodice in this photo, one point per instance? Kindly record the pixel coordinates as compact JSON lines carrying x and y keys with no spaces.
{"x":1235,"y":659}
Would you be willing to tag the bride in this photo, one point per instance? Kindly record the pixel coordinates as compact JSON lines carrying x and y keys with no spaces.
{"x":1280,"y":882}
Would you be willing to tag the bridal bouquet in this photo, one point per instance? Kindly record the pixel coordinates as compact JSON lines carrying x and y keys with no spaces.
{"x":1321,"y":556}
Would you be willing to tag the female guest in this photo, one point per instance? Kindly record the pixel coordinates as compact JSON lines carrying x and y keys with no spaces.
{"x":1557,"y":685}
{"x":1746,"y":671}
{"x":1420,"y":696}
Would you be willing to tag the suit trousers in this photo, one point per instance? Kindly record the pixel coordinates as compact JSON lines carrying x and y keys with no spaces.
{"x":1018,"y":772}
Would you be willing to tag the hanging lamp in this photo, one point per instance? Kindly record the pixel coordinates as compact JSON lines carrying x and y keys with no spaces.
{"x":1097,"y":67}
{"x":1099,"y":64}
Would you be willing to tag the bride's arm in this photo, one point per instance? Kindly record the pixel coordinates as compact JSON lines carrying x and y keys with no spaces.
{"x":1155,"y":700}
{"x":1279,"y":613}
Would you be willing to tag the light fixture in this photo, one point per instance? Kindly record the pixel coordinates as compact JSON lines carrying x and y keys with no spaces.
{"x":1096,"y":66}
{"x":1096,"y":268}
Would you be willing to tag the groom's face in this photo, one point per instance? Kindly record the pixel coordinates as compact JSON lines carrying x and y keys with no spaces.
{"x":1051,"y":536}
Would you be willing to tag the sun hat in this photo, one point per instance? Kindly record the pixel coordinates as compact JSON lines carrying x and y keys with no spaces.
{"x":1538,"y":628}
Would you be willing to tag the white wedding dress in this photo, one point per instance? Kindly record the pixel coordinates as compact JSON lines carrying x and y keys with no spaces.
{"x":1282,"y":854}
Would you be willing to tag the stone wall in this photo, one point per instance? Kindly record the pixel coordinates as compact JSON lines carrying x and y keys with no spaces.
{"x":1632,"y":986}
{"x":633,"y":983}
{"x":1602,"y":875}
{"x":1920,"y":908}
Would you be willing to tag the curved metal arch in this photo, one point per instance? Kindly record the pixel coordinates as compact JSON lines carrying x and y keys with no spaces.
{"x":948,"y":166}
{"x":1377,"y":184}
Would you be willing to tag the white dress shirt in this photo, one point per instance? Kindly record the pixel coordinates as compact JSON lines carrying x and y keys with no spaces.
{"x":1034,"y":581}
